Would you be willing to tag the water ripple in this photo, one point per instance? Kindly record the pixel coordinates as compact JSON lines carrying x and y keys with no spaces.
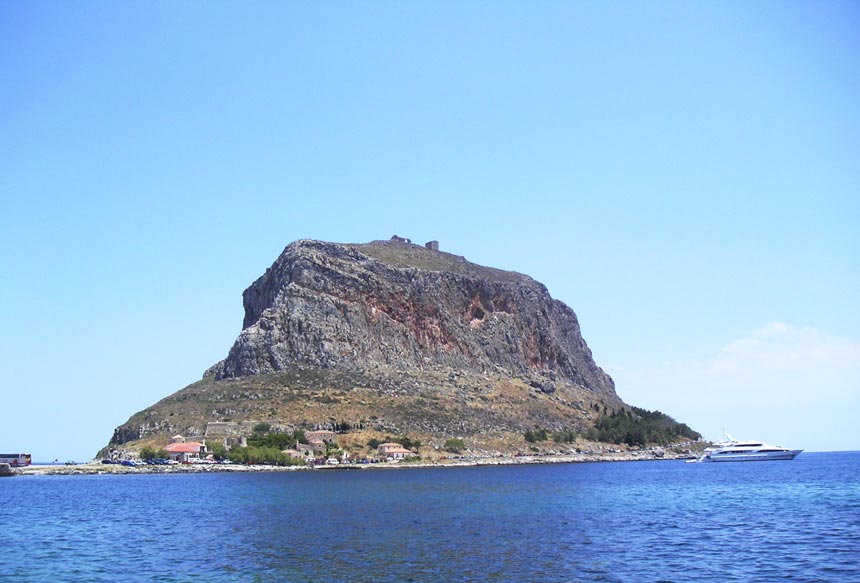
{"x":649,"y":522}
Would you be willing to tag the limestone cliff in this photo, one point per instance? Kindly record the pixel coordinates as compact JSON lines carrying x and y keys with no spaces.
{"x":396,"y":338}
{"x":406,"y":306}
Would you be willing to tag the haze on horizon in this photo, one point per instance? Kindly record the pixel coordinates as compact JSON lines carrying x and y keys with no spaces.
{"x":683,"y":176}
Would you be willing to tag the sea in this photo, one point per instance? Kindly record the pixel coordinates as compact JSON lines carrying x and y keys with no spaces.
{"x":657,"y":521}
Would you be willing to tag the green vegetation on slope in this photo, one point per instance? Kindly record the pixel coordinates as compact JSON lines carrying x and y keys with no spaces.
{"x":637,"y":426}
{"x":540,"y":434}
{"x":279,"y":441}
{"x":262,"y":455}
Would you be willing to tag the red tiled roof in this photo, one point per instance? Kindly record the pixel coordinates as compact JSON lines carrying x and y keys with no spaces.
{"x":188,"y":447}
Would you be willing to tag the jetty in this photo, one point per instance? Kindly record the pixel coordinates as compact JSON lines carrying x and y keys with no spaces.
{"x":6,"y":471}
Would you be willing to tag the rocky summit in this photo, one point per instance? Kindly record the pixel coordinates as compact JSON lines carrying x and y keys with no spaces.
{"x":395,"y":338}
{"x":408,"y":307}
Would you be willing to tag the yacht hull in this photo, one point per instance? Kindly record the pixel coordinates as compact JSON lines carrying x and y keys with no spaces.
{"x":746,"y":451}
{"x":754,"y":457}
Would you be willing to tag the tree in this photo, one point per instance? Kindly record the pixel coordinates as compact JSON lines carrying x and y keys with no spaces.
{"x":331,"y":449}
{"x":277,"y":440}
{"x":261,"y":455}
{"x":564,"y":436}
{"x":455,"y":445}
{"x":406,"y":441}
{"x":640,"y":427}
{"x":538,"y":434}
{"x":342,"y":427}
{"x":219,"y":452}
{"x":262,"y":427}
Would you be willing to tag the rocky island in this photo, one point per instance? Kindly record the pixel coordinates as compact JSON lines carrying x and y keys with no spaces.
{"x":392,"y":341}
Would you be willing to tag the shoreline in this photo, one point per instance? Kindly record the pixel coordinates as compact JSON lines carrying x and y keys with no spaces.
{"x":98,"y":469}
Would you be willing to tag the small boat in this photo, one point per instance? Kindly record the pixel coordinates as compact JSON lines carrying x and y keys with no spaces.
{"x":745,"y":451}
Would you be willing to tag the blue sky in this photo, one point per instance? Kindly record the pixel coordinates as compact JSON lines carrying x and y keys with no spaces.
{"x":683,"y":175}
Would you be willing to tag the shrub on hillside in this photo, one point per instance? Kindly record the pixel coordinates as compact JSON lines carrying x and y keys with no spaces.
{"x":455,"y":445}
{"x":640,"y":427}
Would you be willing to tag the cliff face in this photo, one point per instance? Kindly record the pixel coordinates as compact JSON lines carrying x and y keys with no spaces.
{"x":404,"y":306}
{"x":395,"y":339}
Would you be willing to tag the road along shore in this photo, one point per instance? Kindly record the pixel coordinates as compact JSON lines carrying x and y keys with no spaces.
{"x":98,"y":468}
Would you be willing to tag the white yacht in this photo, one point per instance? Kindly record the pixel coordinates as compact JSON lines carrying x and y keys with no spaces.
{"x":745,"y":451}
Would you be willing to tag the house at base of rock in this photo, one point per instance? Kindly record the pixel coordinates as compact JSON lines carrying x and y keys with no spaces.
{"x":309,"y":449}
{"x":184,"y":451}
{"x":394,"y":451}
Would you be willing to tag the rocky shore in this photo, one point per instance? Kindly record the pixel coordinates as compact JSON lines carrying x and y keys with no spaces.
{"x":97,"y":468}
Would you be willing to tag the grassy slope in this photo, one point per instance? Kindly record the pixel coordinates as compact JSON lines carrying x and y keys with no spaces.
{"x":406,"y":255}
{"x":489,"y":411}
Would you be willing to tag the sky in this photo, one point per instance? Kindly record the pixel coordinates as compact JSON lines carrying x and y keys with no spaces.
{"x":684,"y":175}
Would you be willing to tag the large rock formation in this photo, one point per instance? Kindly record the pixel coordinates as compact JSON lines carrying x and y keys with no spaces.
{"x":409,"y":307}
{"x":395,"y":338}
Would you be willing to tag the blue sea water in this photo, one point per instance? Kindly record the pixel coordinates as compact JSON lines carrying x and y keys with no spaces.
{"x":630,"y":521}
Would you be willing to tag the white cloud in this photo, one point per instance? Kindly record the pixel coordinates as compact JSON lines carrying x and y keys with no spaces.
{"x":775,"y":328}
{"x":799,"y":386}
